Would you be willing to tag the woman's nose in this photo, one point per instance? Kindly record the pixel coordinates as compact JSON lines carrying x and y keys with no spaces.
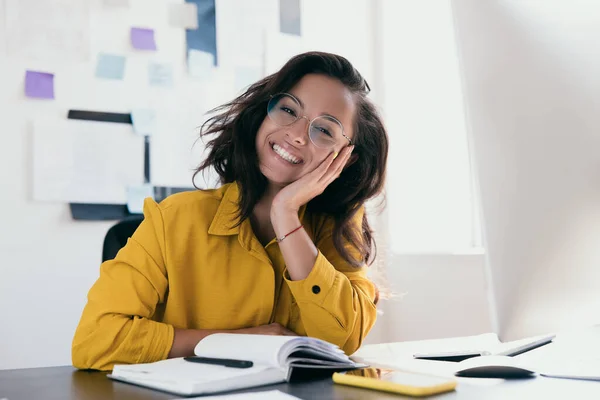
{"x":298,"y":131}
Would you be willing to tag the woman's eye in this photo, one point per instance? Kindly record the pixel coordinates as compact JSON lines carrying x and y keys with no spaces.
{"x":289,"y":111}
{"x":325,"y":131}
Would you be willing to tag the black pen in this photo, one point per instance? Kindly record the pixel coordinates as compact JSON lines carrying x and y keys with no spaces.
{"x":226,"y":362}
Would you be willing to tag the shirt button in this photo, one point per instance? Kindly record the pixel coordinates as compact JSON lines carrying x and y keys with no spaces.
{"x":316,"y":289}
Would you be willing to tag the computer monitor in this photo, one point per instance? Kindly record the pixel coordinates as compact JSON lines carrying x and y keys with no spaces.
{"x":531,"y":79}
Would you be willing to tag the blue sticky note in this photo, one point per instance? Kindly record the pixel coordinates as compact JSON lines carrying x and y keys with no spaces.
{"x":205,"y":37}
{"x":200,"y":64}
{"x":110,"y":66}
{"x":39,"y":85}
{"x":136,"y":195}
{"x":144,"y":121}
{"x":160,"y":74}
{"x":143,"y":39}
{"x":246,"y":76}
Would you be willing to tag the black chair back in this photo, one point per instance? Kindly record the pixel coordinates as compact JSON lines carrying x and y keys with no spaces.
{"x":117,"y":236}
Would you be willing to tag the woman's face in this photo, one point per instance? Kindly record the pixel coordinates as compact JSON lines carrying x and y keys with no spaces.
{"x":286,"y":153}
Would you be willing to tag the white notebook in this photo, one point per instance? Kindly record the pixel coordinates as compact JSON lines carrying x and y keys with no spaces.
{"x":492,"y":347}
{"x":276,"y":359}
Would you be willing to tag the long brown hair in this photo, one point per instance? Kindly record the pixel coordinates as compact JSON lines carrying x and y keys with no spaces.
{"x":232,"y":149}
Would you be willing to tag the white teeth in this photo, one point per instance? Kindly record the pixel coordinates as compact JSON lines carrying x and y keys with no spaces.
{"x":285,"y":155}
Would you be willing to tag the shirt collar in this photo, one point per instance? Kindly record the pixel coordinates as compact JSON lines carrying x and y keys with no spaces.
{"x":225,"y":221}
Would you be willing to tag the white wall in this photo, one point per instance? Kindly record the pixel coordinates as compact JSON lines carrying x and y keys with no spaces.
{"x":49,"y":261}
{"x":437,"y":283}
{"x":433,"y":296}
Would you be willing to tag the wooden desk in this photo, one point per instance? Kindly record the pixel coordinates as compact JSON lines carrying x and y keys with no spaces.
{"x":66,"y":383}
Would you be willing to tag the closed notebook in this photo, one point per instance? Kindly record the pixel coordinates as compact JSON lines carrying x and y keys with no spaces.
{"x":276,"y":359}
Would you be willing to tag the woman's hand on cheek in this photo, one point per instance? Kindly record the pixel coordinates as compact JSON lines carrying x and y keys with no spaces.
{"x":300,"y":192}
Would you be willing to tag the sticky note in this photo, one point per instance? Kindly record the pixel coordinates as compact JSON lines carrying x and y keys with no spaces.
{"x":183,"y":15}
{"x":246,"y":76}
{"x":144,"y":121}
{"x":160,"y":74}
{"x":143,"y":39}
{"x":110,"y":66}
{"x":136,"y":195}
{"x":200,"y":64}
{"x":289,"y":17}
{"x":39,"y":85}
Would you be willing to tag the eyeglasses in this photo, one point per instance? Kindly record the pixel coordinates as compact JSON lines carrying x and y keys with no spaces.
{"x":324,"y":131}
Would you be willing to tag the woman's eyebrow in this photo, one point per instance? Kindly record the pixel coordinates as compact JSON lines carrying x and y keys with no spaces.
{"x":322,"y":115}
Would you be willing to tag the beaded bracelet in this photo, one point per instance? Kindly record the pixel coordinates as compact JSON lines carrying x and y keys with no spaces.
{"x":287,"y":234}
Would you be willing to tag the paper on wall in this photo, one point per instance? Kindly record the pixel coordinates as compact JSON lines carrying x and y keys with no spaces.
{"x":289,"y":17}
{"x":160,"y":74}
{"x":183,"y":15}
{"x":177,"y":149}
{"x":250,"y":22}
{"x":204,"y":38}
{"x":143,"y":38}
{"x":136,"y":194}
{"x":200,"y":64}
{"x":44,"y":29}
{"x":144,"y":121}
{"x":110,"y":66}
{"x":85,"y":161}
{"x":39,"y":85}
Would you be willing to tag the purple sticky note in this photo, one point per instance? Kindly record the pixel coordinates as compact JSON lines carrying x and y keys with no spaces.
{"x":143,"y":39}
{"x":39,"y":85}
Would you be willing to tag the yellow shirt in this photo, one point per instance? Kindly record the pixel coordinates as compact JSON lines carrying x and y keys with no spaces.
{"x":188,"y":266}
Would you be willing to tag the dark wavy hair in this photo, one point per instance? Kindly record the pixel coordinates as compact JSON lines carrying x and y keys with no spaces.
{"x":232,"y":150}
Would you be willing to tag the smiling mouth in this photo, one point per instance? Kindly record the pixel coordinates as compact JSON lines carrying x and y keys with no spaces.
{"x":285,"y":155}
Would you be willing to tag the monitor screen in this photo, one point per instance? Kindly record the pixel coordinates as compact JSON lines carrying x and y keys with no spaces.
{"x":531,"y":79}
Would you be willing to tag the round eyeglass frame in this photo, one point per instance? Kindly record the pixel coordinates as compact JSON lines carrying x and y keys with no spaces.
{"x":305,"y":117}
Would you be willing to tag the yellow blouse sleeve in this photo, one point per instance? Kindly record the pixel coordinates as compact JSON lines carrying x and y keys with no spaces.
{"x":116,"y":325}
{"x":335,"y":299}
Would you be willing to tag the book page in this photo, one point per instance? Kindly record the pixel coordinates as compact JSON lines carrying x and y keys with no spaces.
{"x":260,"y":349}
{"x":179,"y":370}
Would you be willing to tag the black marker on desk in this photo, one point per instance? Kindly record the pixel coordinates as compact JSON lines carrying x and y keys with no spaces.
{"x":226,"y":362}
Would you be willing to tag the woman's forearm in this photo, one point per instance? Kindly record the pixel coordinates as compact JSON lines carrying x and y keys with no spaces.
{"x":185,"y":340}
{"x":298,"y":250}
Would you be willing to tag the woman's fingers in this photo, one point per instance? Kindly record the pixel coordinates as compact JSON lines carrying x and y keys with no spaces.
{"x":322,"y":169}
{"x":337,"y":167}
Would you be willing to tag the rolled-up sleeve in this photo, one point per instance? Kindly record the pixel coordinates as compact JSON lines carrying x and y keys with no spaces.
{"x":336,"y":300}
{"x":116,"y":326}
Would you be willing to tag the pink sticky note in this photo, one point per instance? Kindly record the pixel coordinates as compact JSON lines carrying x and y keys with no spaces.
{"x":39,"y":85}
{"x":143,"y":39}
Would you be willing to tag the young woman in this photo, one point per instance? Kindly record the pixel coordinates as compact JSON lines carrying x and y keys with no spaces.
{"x":281,"y":248}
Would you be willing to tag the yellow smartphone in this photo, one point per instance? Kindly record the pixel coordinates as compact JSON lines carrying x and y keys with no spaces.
{"x":394,"y":381}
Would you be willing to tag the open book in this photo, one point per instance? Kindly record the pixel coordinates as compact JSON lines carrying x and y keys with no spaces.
{"x":276,"y":359}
